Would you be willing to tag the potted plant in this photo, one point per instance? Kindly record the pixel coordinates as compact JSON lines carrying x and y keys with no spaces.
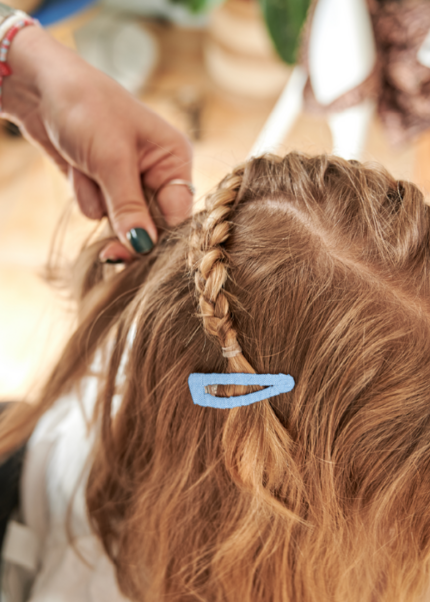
{"x":250,"y":42}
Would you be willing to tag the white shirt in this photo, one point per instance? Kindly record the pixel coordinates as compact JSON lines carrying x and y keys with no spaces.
{"x":55,"y":472}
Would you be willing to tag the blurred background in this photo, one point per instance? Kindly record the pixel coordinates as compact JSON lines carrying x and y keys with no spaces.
{"x":240,"y":77}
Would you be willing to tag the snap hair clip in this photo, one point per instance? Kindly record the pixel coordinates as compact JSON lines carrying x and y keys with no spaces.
{"x":274,"y":383}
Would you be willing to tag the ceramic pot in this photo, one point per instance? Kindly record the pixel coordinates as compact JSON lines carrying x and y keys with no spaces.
{"x":239,"y":54}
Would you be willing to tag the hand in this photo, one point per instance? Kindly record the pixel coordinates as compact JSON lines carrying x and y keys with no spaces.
{"x":106,"y":141}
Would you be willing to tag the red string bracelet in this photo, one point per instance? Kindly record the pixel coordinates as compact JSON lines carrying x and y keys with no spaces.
{"x":5,"y":69}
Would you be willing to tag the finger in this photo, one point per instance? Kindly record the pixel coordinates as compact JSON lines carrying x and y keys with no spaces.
{"x":88,"y":194}
{"x":175,"y":201}
{"x":126,"y":206}
{"x":115,"y":252}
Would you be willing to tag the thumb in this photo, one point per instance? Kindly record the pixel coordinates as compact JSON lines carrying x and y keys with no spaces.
{"x":127,"y":209}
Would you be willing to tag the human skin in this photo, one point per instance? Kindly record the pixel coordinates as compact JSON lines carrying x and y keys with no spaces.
{"x":108,"y":143}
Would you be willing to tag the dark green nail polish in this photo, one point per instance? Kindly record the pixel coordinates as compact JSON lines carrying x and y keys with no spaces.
{"x":114,"y":261}
{"x":140,"y":240}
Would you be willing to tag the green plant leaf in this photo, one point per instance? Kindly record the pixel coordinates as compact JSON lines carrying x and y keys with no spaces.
{"x":284,"y":20}
{"x":198,"y":6}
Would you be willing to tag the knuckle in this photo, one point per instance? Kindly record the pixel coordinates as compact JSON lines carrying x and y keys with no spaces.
{"x":122,"y":209}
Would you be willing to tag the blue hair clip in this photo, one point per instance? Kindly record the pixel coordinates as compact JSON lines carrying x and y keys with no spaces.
{"x":274,"y":383}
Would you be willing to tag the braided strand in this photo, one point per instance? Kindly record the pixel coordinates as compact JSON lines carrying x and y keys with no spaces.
{"x":208,"y":261}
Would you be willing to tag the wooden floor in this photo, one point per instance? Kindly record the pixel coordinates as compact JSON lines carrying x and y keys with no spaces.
{"x":34,"y":318}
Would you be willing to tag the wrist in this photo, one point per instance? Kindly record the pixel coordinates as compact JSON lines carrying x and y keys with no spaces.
{"x":32,"y":54}
{"x":19,"y":88}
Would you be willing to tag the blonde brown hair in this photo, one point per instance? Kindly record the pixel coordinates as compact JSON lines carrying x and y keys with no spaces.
{"x":319,"y":268}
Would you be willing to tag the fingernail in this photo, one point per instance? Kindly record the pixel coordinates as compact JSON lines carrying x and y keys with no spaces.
{"x":113,"y":261}
{"x":140,"y":240}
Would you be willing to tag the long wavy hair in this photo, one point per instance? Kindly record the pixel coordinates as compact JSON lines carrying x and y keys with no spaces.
{"x":319,"y":268}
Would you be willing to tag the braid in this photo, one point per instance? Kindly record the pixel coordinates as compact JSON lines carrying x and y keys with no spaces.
{"x":207,"y":260}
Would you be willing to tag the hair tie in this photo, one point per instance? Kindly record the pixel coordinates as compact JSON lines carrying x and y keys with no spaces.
{"x":232,"y":350}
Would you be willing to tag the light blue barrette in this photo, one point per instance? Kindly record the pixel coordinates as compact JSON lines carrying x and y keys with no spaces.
{"x":274,"y":383}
